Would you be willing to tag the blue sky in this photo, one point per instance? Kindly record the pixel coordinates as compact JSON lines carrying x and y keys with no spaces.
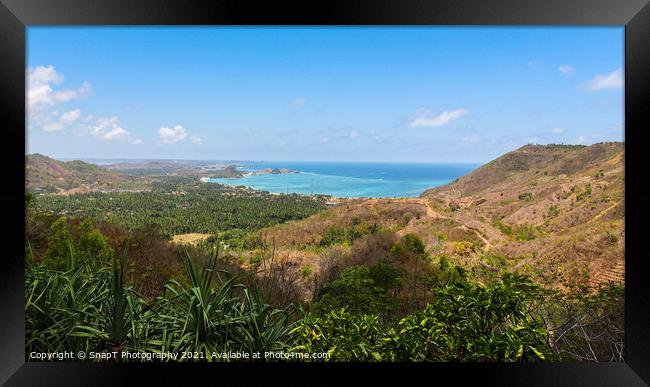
{"x":418,"y":94}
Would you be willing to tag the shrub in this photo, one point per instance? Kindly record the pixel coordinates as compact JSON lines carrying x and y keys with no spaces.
{"x":468,"y":322}
{"x":307,"y":271}
{"x":504,"y":228}
{"x":345,"y":336}
{"x":581,"y":196}
{"x":526,"y":232}
{"x":360,"y":289}
{"x":465,"y":322}
{"x":410,"y":245}
{"x":338,"y":234}
{"x":610,"y":238}
{"x":75,"y":244}
{"x":553,"y":211}
{"x":525,"y":196}
{"x":465,"y":248}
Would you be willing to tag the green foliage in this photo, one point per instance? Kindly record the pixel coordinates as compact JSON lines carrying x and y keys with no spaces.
{"x":341,"y":234}
{"x":610,"y":238}
{"x":495,"y":260}
{"x":474,"y":322}
{"x":402,"y":305}
{"x":447,"y":272}
{"x":89,"y":308}
{"x":410,"y":245}
{"x":525,"y":232}
{"x":465,"y":322}
{"x":29,"y":200}
{"x":504,"y":228}
{"x":92,"y":243}
{"x":343,"y":335}
{"x":70,"y":245}
{"x":60,"y":251}
{"x":553,"y":211}
{"x":307,"y":271}
{"x":453,"y":207}
{"x":208,"y":208}
{"x":466,"y":248}
{"x":582,"y":195}
{"x":525,"y":196}
{"x":522,"y":232}
{"x":361,"y":289}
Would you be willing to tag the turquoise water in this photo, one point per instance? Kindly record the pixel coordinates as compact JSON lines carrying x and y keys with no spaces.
{"x":350,"y":179}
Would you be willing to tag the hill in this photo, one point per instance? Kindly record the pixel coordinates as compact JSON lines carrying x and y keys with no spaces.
{"x":560,"y":207}
{"x":555,"y":212}
{"x":45,"y":174}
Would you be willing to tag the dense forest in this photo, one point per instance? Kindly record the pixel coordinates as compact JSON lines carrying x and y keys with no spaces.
{"x":177,"y":206}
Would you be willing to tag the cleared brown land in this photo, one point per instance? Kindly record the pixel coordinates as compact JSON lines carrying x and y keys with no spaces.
{"x":191,"y":238}
{"x":555,"y":212}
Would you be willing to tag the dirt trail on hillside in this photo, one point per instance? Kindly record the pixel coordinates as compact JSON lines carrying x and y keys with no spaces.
{"x":414,"y":223}
{"x":430,"y":214}
{"x":603,"y":212}
{"x":487,"y":243}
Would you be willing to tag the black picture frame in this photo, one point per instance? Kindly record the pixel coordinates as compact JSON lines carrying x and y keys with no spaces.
{"x":16,"y":15}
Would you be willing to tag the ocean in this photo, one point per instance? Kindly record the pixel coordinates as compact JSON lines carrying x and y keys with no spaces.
{"x":350,"y":179}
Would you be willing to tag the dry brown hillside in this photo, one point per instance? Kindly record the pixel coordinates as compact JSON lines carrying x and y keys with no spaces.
{"x":555,"y":212}
{"x":560,"y":207}
{"x":45,"y":174}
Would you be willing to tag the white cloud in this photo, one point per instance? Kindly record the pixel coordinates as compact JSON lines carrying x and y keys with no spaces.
{"x":41,"y":75}
{"x":566,"y":70}
{"x":71,"y":116}
{"x":426,"y":119}
{"x":42,"y":98}
{"x":613,"y":80}
{"x":298,"y":102}
{"x":109,"y":129}
{"x":558,"y":130}
{"x":176,"y":134}
{"x":40,"y":91}
{"x":172,"y":135}
{"x":52,"y":126}
{"x":52,"y":121}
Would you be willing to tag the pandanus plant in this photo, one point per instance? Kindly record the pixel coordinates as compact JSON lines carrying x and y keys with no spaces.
{"x":119,"y":316}
{"x":89,"y":308}
{"x":212,"y":313}
{"x":199,"y":314}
